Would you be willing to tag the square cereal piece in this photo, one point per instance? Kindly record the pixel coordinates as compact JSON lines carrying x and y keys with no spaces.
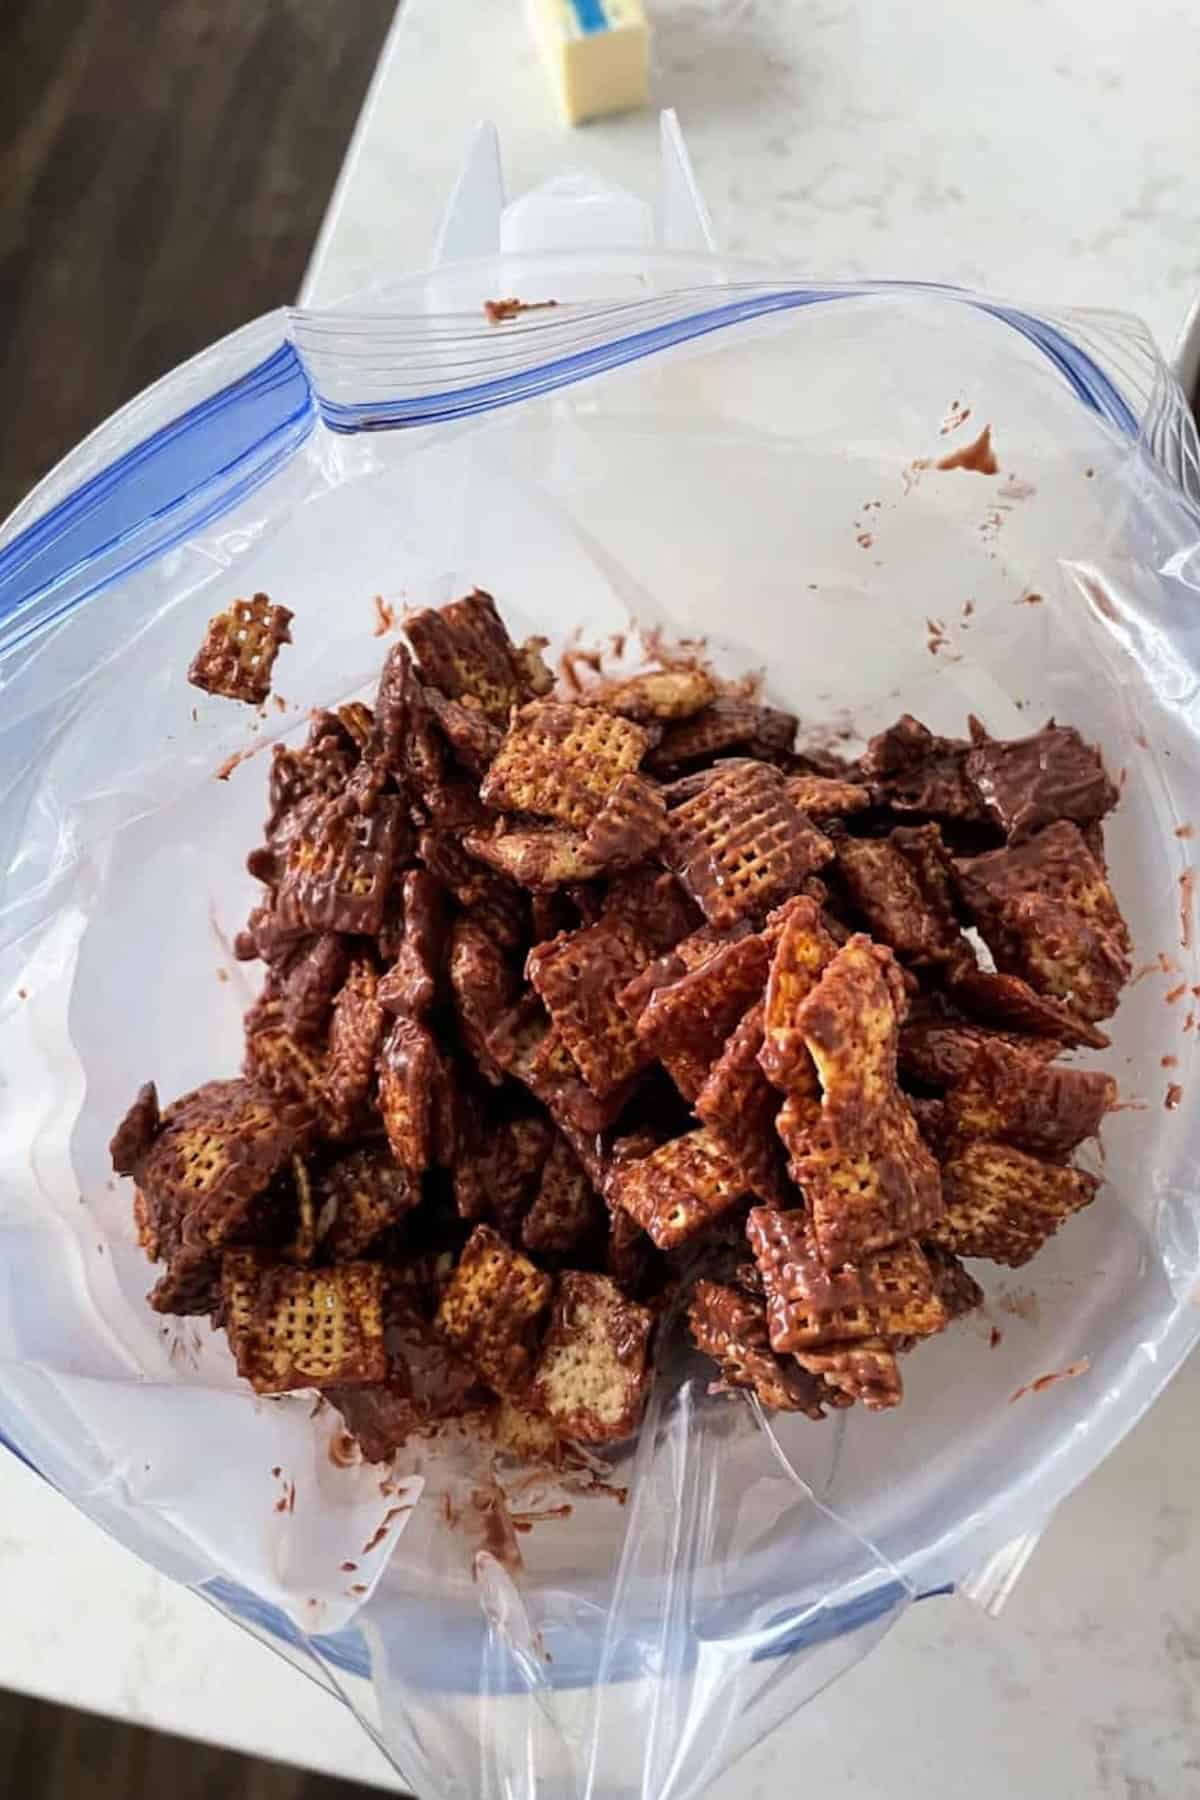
{"x":685,"y":1023}
{"x":294,"y":1328}
{"x":664,"y":694}
{"x":958,"y":1291}
{"x":893,"y":883}
{"x":591,"y":1376}
{"x":739,"y":1106}
{"x":562,"y":761}
{"x":471,"y":735}
{"x":862,"y":1200}
{"x":939,"y":1053}
{"x":731,"y":1327}
{"x":201,"y":1167}
{"x":538,"y":857}
{"x":1011,"y":1096}
{"x":652,"y":901}
{"x":355,"y":1036}
{"x":465,"y":651}
{"x":1026,"y":783}
{"x":483,"y":985}
{"x":492,"y":1308}
{"x":629,"y":826}
{"x":1047,"y":913}
{"x":359,"y":1196}
{"x":491,"y":897}
{"x":727,"y":724}
{"x":823,"y":797}
{"x":868,"y":1372}
{"x":239,"y":650}
{"x":1004,"y":1205}
{"x":566,"y":1210}
{"x":516,"y":1154}
{"x":290,"y":1069}
{"x":678,"y":1190}
{"x":578,"y":977}
{"x":804,"y":950}
{"x":1009,"y":1003}
{"x":339,"y":867}
{"x":850,"y":1023}
{"x":890,"y":1294}
{"x":739,"y":846}
{"x":413,"y":1080}
{"x":309,"y":982}
{"x":912,"y":771}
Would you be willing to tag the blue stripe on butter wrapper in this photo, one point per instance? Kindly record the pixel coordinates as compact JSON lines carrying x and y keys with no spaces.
{"x":590,"y":15}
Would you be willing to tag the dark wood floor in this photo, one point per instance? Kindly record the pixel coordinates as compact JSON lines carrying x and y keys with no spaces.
{"x":164,"y":165}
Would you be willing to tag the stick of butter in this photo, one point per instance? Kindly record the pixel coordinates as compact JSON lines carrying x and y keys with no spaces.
{"x":597,"y":54}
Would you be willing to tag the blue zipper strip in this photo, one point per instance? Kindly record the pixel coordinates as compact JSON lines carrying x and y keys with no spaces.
{"x":180,"y":477}
{"x":205,"y":462}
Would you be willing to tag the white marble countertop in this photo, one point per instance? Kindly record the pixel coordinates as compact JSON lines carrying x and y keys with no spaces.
{"x":1042,"y":148}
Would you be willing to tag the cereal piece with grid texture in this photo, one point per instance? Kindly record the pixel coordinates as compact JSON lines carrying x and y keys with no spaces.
{"x":526,"y":1436}
{"x":426,"y":1384}
{"x":294,"y":1328}
{"x":821,"y":797}
{"x":739,"y":846}
{"x":239,"y":650}
{"x":727,"y":724}
{"x":465,"y":651}
{"x":563,"y":762}
{"x":731,"y":1327}
{"x":339,"y":868}
{"x":678,"y":1190}
{"x":941,"y":1052}
{"x":890,"y":1294}
{"x":515,"y":1157}
{"x":578,"y":978}
{"x":958,"y":1291}
{"x":566,"y":1210}
{"x":412,"y":1076}
{"x":1008,"y":1002}
{"x":629,"y":826}
{"x":868,"y":1175}
{"x":358,"y":1197}
{"x":215,"y":1151}
{"x":591,"y":1375}
{"x":191,"y":1286}
{"x":471,"y":735}
{"x":355,"y":1036}
{"x":1047,"y":913}
{"x":804,"y":950}
{"x":318,"y":771}
{"x":492,"y":1309}
{"x":475,"y":887}
{"x":664,"y":694}
{"x":686,"y":1023}
{"x":483,"y":985}
{"x":739,"y":1106}
{"x":893,"y":883}
{"x":912,"y":771}
{"x":309,"y":982}
{"x":653,"y":902}
{"x":538,"y":857}
{"x":134,"y":1137}
{"x":1026,"y":783}
{"x":292,"y":1070}
{"x":1010,"y":1096}
{"x":1004,"y":1204}
{"x":867,"y":1372}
